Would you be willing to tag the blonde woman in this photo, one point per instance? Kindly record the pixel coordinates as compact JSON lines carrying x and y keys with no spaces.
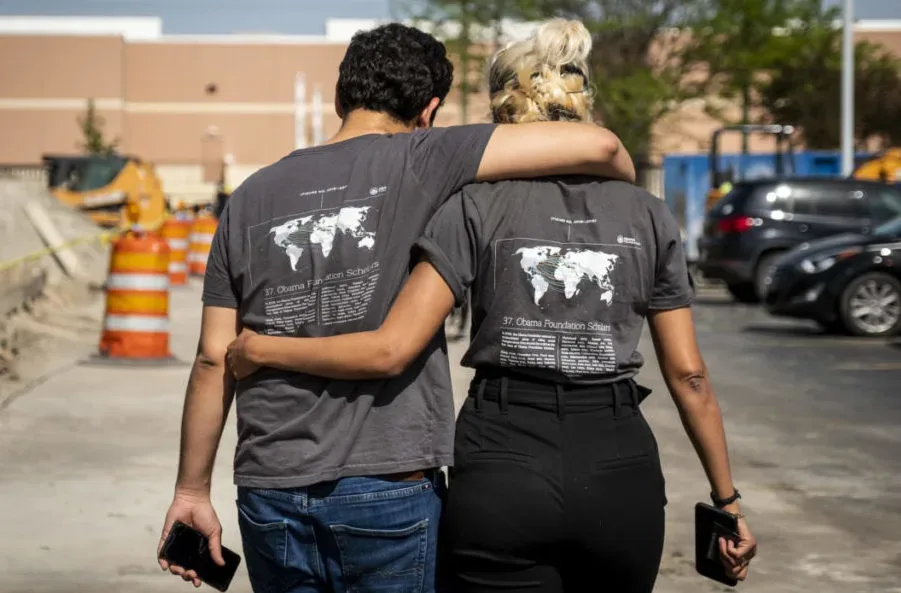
{"x":557,"y":484}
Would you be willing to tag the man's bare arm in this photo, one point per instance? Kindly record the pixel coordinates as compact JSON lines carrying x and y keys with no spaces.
{"x":554,"y":148}
{"x":207,"y":401}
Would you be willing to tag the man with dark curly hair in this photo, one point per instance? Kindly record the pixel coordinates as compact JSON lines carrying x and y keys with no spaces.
{"x":338,"y":482}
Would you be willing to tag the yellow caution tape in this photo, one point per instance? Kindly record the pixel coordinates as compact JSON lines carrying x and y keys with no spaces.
{"x":103,"y":238}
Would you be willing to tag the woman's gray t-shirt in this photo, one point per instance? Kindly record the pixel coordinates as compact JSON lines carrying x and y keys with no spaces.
{"x":562,"y":273}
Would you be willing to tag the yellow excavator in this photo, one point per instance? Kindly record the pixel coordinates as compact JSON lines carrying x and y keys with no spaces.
{"x":885,"y":168}
{"x":103,"y":186}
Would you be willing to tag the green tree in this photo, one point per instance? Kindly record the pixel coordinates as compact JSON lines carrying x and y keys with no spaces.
{"x":91,"y":124}
{"x":470,"y":30}
{"x":740,"y":41}
{"x":806,"y":88}
{"x":638,"y":64}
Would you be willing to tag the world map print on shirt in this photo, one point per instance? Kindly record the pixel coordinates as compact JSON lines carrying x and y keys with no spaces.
{"x":550,"y":267}
{"x":320,"y":230}
{"x":315,"y":268}
{"x":556,"y":304}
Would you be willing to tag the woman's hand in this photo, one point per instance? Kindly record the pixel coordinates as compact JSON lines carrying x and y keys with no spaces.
{"x":239,"y":355}
{"x":736,"y":556}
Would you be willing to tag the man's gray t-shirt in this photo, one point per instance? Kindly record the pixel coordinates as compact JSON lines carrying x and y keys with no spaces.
{"x":318,"y":244}
{"x":562,"y":273}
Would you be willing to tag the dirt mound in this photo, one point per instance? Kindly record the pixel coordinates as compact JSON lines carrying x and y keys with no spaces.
{"x":37,"y":298}
{"x":20,"y":237}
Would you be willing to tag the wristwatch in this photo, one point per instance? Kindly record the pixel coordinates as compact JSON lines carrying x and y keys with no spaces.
{"x":722,"y":502}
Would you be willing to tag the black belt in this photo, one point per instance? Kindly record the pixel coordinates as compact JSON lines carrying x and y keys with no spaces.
{"x":507,"y":388}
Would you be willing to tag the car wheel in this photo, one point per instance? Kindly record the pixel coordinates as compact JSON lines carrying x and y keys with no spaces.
{"x":764,"y":267}
{"x":743,"y":293}
{"x":871,"y":305}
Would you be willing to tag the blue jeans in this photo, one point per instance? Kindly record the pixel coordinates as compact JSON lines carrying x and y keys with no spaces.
{"x":354,"y":535}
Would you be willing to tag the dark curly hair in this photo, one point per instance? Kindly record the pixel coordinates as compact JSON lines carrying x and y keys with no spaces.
{"x":393,"y":69}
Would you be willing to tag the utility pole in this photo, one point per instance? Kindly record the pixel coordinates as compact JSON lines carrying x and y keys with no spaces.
{"x":465,"y":60}
{"x":848,"y":89}
{"x":746,"y":79}
{"x":300,"y":110}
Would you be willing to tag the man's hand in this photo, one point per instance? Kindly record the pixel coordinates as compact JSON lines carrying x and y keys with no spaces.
{"x":736,"y":556}
{"x":238,"y":355}
{"x":194,"y":510}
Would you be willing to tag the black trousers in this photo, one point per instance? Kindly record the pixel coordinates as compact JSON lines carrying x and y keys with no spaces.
{"x":553,"y":489}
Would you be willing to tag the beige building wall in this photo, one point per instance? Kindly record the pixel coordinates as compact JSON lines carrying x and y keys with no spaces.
{"x":189,"y":103}
{"x":46,"y":82}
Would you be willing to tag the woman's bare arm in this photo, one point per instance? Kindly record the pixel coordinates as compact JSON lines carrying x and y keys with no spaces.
{"x":686,"y":377}
{"x":414,"y":319}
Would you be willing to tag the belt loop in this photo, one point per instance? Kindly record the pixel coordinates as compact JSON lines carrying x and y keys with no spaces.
{"x":561,"y":406}
{"x":502,"y":400}
{"x":633,"y":395}
{"x":616,"y":399}
{"x":480,"y":394}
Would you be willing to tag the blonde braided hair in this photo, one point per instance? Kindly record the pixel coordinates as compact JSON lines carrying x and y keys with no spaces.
{"x":543,"y":78}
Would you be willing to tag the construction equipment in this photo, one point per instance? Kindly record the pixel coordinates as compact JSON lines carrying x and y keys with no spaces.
{"x":721,"y":180}
{"x":103,"y":185}
{"x":885,"y":168}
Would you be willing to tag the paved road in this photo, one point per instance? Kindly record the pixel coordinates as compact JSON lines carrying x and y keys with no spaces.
{"x":87,"y":462}
{"x":814,"y":428}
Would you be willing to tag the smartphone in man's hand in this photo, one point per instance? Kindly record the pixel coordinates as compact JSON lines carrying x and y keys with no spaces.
{"x":188,"y":548}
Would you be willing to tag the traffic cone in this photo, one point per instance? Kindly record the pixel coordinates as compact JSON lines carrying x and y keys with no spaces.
{"x":136,"y":319}
{"x":202,"y":231}
{"x":176,"y":232}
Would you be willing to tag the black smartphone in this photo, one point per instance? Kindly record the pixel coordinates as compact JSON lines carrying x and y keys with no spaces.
{"x":711,"y":524}
{"x":190,"y":549}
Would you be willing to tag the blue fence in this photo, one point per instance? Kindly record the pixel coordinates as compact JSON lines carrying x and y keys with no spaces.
{"x":686,"y":181}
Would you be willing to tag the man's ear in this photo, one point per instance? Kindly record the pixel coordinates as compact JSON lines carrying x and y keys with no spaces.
{"x":427,"y":117}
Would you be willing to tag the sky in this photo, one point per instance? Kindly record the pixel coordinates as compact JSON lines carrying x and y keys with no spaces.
{"x":294,"y":17}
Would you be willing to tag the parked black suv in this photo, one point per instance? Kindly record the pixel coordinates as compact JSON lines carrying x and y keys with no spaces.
{"x":748,"y":229}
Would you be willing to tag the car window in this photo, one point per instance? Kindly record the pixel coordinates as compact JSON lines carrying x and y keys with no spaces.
{"x":841,"y":202}
{"x":884,"y":202}
{"x":890,"y":229}
{"x":734,"y":201}
{"x":802,"y":200}
{"x":768,"y":198}
{"x":831,"y":201}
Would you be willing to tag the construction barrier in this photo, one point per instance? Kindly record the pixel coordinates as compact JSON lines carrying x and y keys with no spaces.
{"x":202,"y":231}
{"x":176,"y":232}
{"x":136,"y":322}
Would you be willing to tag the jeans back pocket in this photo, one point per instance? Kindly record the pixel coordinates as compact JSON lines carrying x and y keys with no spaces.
{"x":385,"y":560}
{"x":265,"y":550}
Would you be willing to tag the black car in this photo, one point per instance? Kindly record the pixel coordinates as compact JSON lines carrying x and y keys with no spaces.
{"x":850,"y":282}
{"x":756,"y":222}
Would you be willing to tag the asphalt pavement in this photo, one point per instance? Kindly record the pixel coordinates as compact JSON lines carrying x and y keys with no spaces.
{"x":88,"y":458}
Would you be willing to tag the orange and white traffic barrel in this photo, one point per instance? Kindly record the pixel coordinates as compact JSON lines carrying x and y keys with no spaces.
{"x":136,"y":322}
{"x":176,"y":232}
{"x":202,"y":231}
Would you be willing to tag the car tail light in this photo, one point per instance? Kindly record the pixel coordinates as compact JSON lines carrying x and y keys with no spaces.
{"x":735,"y":224}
